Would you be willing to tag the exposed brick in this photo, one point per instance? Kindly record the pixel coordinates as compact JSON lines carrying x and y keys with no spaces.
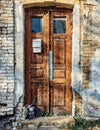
{"x":6,"y":57}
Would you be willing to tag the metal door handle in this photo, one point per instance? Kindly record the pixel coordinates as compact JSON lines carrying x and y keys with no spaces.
{"x":50,"y":65}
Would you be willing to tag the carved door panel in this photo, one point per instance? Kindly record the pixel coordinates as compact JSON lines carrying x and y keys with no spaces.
{"x":48,"y":59}
{"x":60,"y":83}
{"x":36,"y":58}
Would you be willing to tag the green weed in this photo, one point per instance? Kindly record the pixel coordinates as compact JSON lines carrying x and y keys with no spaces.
{"x":39,"y":124}
{"x":81,"y":124}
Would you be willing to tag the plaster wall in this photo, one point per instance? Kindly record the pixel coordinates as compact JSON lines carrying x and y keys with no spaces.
{"x":91,"y":57}
{"x":19,"y":57}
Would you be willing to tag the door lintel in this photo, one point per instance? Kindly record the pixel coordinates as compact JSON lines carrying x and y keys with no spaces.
{"x":46,"y":3}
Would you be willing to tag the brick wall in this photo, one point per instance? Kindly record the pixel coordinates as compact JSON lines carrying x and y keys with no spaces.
{"x":90,"y":57}
{"x":6,"y":57}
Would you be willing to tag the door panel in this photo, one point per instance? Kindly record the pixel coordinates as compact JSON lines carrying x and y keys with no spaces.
{"x":48,"y":73}
{"x":61,"y":47}
{"x":36,"y":66}
{"x":37,"y":94}
{"x":59,"y":50}
{"x":59,"y":94}
{"x":59,"y":73}
{"x":37,"y":58}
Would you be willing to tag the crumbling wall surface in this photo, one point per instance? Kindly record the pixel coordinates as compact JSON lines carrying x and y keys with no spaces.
{"x":19,"y":56}
{"x":91,"y":57}
{"x":6,"y":57}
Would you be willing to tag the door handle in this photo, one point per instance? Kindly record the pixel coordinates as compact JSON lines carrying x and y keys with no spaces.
{"x":50,"y":65}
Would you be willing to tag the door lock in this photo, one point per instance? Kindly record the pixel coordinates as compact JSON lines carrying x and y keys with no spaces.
{"x":50,"y":65}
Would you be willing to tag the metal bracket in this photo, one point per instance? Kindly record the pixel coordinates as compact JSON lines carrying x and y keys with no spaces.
{"x":50,"y":65}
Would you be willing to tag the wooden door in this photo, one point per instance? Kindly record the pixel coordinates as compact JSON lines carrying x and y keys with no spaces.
{"x":48,"y":68}
{"x":36,"y":63}
{"x":61,"y":44}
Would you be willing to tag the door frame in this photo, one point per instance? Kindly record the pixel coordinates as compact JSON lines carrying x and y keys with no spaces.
{"x":19,"y":54}
{"x":28,"y":15}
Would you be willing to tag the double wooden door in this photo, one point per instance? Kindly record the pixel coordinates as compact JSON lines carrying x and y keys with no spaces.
{"x":48,"y":61}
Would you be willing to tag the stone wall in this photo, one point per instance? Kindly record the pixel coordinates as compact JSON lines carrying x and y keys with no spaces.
{"x":87,"y":94}
{"x":91,"y":56}
{"x":6,"y":57}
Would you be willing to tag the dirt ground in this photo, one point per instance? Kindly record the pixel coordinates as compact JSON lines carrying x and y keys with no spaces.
{"x":47,"y":123}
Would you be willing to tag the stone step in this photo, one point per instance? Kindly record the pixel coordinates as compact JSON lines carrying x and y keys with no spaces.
{"x":46,"y":123}
{"x":49,"y":120}
{"x":41,"y":128}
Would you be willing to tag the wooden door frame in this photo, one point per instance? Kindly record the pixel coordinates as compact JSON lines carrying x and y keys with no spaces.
{"x":54,"y":9}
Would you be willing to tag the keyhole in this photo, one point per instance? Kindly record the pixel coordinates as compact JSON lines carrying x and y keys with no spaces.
{"x":59,"y":41}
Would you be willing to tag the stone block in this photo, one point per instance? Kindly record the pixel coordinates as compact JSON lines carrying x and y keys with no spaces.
{"x":93,"y":2}
{"x":10,"y":90}
{"x":2,"y":113}
{"x":9,"y":109}
{"x":10,"y":105}
{"x":10,"y":113}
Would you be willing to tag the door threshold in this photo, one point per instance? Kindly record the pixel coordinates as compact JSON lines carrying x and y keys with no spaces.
{"x":49,"y":120}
